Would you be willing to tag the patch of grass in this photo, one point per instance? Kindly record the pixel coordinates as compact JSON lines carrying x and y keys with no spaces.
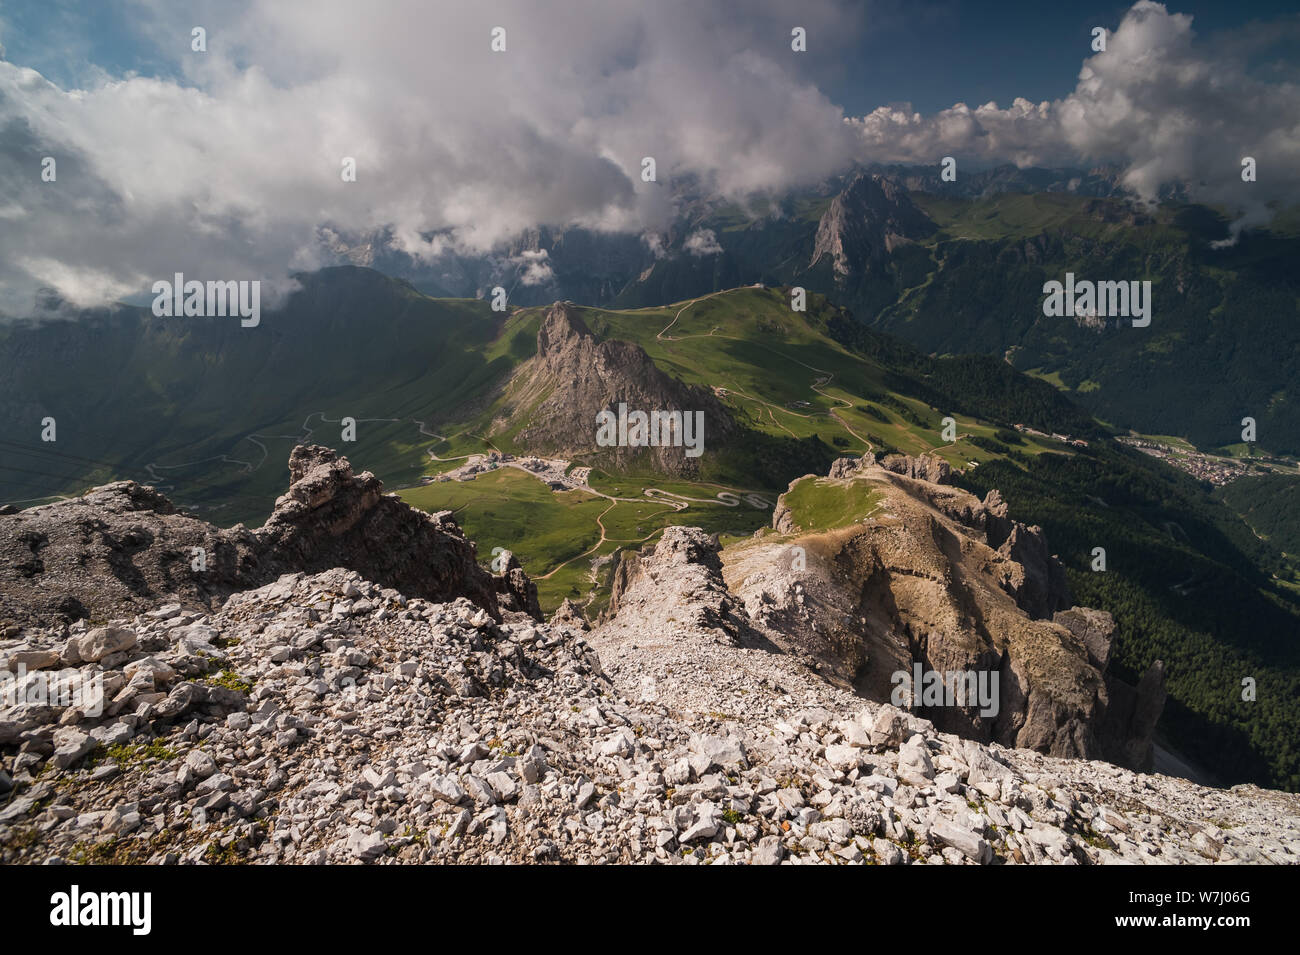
{"x":128,"y":755}
{"x":1095,"y":839}
{"x":231,"y":681}
{"x":217,"y":855}
{"x":913,"y":848}
{"x":120,"y":851}
{"x":20,"y":840}
{"x":818,"y":504}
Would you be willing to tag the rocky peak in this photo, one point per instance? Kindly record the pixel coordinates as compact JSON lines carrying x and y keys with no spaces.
{"x":562,"y":329}
{"x":672,"y":587}
{"x":574,"y":376}
{"x":868,"y":219}
{"x":124,"y":545}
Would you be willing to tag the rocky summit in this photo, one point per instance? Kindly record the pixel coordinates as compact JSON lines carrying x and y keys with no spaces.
{"x":575,"y":376}
{"x":409,"y":708}
{"x":125,"y":547}
{"x":938,"y":577}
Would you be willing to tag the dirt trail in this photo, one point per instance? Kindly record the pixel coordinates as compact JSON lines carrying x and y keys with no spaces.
{"x":660,"y":336}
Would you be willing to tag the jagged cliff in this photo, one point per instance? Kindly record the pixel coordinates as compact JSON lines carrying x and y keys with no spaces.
{"x":933,"y":576}
{"x":124,"y":546}
{"x":574,"y":376}
{"x":866,"y":221}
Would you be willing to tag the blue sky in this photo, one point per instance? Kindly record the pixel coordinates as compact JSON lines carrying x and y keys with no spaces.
{"x":63,"y":39}
{"x":934,"y":55}
{"x":931,"y":54}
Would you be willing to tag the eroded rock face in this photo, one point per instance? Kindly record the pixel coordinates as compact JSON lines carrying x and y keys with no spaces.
{"x":672,"y":586}
{"x":1095,"y":628}
{"x":939,"y":578}
{"x":576,"y":376}
{"x":870,"y":218}
{"x":123,"y":546}
{"x":846,"y":467}
{"x":332,"y":518}
{"x":922,"y":467}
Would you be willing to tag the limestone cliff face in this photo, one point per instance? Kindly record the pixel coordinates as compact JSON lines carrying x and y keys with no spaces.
{"x":124,"y":546}
{"x":939,"y":578}
{"x":867,"y":220}
{"x":672,"y":586}
{"x":575,"y":376}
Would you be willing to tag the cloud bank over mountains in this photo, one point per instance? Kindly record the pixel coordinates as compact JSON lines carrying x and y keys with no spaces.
{"x":230,"y":167}
{"x":1164,"y":107}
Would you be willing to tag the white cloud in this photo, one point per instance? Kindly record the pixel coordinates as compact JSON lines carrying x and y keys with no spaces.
{"x":655,"y":243}
{"x":1167,"y":108}
{"x":702,"y":242}
{"x":233,"y":171}
{"x":534,"y":267}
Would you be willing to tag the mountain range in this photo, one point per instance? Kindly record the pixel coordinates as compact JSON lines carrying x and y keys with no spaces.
{"x":923,"y":335}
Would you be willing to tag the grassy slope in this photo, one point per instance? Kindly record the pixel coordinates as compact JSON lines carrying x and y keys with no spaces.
{"x":216,"y":408}
{"x":1225,"y":329}
{"x":818,"y":504}
{"x":767,"y":358}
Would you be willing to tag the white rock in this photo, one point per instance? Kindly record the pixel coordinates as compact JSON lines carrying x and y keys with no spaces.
{"x":969,"y":843}
{"x":914,"y":764}
{"x":102,"y":641}
{"x":71,"y":745}
{"x":769,"y":851}
{"x":366,"y":846}
{"x":200,"y":764}
{"x":844,"y":758}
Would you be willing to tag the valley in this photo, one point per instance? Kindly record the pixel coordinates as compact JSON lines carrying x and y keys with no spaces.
{"x":755,"y":354}
{"x":618,"y":434}
{"x":434,"y":383}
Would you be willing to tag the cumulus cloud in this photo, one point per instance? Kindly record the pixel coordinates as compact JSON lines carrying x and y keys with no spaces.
{"x":534,"y":267}
{"x":228,"y":163}
{"x":1165,"y":107}
{"x":702,"y":242}
{"x":232,"y":168}
{"x":1027,"y":134}
{"x":655,"y":243}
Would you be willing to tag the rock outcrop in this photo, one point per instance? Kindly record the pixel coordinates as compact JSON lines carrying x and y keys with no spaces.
{"x":868,"y":219}
{"x":575,"y":376}
{"x":124,"y":546}
{"x":324,"y":719}
{"x":673,"y":585}
{"x":921,"y":467}
{"x":940,"y":579}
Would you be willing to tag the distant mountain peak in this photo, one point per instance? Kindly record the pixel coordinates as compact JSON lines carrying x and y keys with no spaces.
{"x":866,"y":221}
{"x":574,"y":376}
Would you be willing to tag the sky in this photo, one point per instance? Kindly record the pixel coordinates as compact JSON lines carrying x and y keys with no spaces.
{"x":938,"y":54}
{"x":226,"y":162}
